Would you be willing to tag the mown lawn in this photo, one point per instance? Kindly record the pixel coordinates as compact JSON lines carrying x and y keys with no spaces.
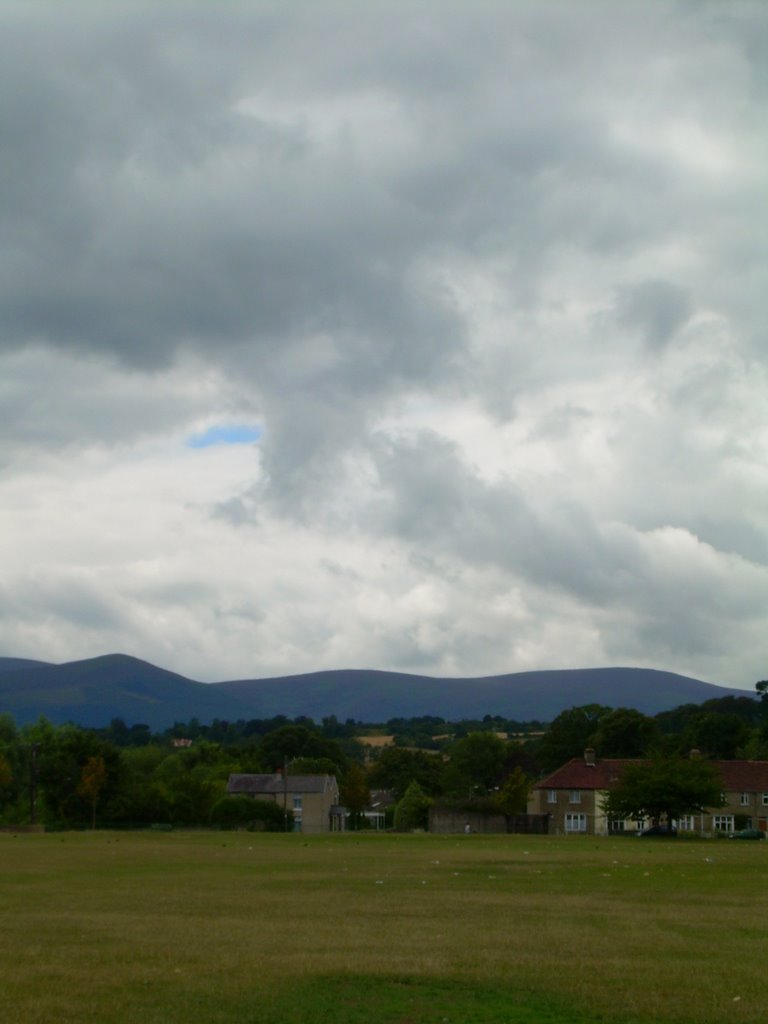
{"x":237,"y":927}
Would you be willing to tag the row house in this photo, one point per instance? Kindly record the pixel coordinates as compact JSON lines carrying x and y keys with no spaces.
{"x":573,"y":798}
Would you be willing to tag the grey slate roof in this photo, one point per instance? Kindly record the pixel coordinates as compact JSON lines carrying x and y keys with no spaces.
{"x":273,"y":783}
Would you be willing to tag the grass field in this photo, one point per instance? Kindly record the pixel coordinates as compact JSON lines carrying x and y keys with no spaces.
{"x":237,"y":927}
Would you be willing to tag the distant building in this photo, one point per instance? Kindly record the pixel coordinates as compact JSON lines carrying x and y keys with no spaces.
{"x":573,"y":797}
{"x":313,"y":799}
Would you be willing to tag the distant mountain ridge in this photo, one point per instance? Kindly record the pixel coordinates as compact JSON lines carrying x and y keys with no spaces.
{"x":94,"y":691}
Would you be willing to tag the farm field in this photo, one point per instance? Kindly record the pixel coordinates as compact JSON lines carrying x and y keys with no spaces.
{"x":272,"y":929}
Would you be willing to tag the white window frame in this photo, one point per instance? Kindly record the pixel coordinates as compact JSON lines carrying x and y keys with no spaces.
{"x":745,"y":799}
{"x":765,"y":799}
{"x":551,"y":796}
{"x":575,"y":796}
{"x":297,"y":803}
{"x":722,"y":822}
{"x":687,"y":823}
{"x":576,"y":821}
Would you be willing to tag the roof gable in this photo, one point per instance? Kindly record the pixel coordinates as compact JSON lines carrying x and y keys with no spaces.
{"x":274,"y":783}
{"x":577,"y":774}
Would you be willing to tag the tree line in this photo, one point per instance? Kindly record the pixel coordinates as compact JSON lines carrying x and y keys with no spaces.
{"x":124,"y":776}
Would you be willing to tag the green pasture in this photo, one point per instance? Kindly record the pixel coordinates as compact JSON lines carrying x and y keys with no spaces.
{"x":401,"y":929}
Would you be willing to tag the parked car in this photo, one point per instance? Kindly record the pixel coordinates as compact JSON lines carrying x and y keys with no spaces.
{"x":748,"y":833}
{"x":658,"y":832}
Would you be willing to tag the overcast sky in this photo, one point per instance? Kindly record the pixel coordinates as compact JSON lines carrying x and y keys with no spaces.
{"x":414,"y":336}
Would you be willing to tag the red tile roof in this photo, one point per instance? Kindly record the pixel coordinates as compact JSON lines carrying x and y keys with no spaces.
{"x":738,"y":776}
{"x":744,"y":776}
{"x":576,"y":774}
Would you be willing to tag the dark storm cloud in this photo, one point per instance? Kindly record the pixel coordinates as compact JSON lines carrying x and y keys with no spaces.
{"x":147,"y":213}
{"x":144,"y":213}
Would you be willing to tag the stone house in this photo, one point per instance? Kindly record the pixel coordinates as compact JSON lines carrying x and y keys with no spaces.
{"x":313,"y":799}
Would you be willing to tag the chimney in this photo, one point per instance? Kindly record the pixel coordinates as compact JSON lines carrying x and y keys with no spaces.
{"x":589,"y":757}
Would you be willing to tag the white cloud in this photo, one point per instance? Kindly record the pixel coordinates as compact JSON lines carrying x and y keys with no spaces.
{"x":490,"y":283}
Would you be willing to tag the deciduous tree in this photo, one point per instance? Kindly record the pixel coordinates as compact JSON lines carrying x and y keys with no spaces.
{"x":397,"y":768}
{"x":623,"y":732}
{"x":93,"y":778}
{"x":569,"y":734}
{"x":513,"y":795}
{"x":479,"y":758}
{"x":354,"y":794}
{"x":664,"y":787}
{"x":413,"y":810}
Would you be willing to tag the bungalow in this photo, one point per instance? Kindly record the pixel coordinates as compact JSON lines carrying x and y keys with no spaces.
{"x":314,"y":799}
{"x":573,"y":797}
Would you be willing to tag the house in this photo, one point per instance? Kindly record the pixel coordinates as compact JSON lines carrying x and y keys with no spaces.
{"x":573,"y":795}
{"x":314,"y":799}
{"x":375,"y":813}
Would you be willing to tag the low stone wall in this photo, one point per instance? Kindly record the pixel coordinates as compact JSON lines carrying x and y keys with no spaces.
{"x":528,"y":824}
{"x":446,"y":820}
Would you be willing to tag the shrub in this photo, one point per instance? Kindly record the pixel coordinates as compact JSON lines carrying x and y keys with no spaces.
{"x":413,"y":810}
{"x":257,"y":815}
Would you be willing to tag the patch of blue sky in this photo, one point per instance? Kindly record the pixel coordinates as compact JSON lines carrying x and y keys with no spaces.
{"x":225,"y":433}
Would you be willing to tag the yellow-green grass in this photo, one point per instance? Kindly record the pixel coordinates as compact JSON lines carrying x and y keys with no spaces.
{"x":207,"y":927}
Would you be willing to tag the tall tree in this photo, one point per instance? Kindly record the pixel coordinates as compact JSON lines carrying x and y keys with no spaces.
{"x":665,"y":787}
{"x":413,"y":810}
{"x":479,"y":758}
{"x":354,"y":794}
{"x":718,"y":735}
{"x":396,"y":768}
{"x":623,"y":732}
{"x":513,"y":795}
{"x":93,"y":778}
{"x":569,"y":734}
{"x":293,"y":741}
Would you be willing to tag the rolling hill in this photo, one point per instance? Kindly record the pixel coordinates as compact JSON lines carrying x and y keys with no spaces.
{"x":94,"y":691}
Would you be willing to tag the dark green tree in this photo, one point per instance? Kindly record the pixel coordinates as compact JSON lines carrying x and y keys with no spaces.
{"x":141,"y":797}
{"x":396,"y":768}
{"x":665,"y":788}
{"x":193,"y":780}
{"x":15,"y":762}
{"x":93,"y":778}
{"x":717,"y":735}
{"x":244,"y":812}
{"x":62,"y":754}
{"x":623,"y":732}
{"x":479,"y":759}
{"x":413,"y":810}
{"x":313,"y":766}
{"x":355,"y":795}
{"x":569,"y":735}
{"x":513,"y":794}
{"x":292,"y":741}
